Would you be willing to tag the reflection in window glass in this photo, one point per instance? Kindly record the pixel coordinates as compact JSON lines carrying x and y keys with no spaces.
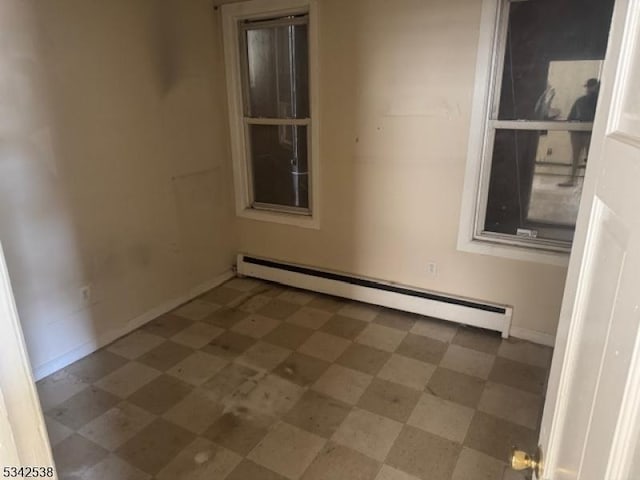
{"x":277,"y":60}
{"x":279,"y":165}
{"x":553,"y":48}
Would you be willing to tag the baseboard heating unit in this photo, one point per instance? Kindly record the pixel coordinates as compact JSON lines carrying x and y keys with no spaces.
{"x":377,"y":292}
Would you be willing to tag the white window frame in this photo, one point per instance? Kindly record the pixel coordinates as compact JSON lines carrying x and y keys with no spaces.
{"x":489,"y":64}
{"x":255,"y":10}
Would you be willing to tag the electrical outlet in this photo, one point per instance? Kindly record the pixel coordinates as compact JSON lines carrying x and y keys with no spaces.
{"x":85,"y":292}
{"x":432,"y":269}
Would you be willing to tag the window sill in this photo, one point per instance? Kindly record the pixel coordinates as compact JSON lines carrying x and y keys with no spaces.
{"x":303,"y":221}
{"x":512,"y":252}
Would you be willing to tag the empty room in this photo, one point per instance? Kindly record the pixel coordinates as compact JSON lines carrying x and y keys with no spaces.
{"x":320,"y":239}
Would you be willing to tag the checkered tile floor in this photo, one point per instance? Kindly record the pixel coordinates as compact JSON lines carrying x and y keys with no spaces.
{"x":257,"y":381}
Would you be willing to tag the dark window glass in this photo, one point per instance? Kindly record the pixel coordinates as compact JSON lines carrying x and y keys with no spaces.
{"x":279,"y":165}
{"x":278,"y":71}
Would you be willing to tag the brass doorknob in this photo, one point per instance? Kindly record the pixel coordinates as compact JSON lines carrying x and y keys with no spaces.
{"x":521,"y":460}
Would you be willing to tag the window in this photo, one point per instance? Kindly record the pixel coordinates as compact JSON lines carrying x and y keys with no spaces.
{"x":535,"y":103}
{"x":268,"y":56}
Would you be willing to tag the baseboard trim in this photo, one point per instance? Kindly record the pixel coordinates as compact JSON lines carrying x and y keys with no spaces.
{"x":107,"y":337}
{"x":533,"y":336}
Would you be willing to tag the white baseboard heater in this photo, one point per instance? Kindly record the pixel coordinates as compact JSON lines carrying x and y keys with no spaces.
{"x":377,"y":292}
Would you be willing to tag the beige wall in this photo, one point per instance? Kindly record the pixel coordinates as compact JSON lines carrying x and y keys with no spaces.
{"x":114,"y":167}
{"x":396,"y":86}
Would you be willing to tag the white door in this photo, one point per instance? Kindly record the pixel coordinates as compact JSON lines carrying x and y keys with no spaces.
{"x":23,"y":436}
{"x":591,"y":421}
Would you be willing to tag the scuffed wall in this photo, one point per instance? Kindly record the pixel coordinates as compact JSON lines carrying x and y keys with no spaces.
{"x":396,"y":84}
{"x":114,"y":169}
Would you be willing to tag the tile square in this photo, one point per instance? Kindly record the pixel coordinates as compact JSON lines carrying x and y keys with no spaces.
{"x":135,"y":344}
{"x":196,"y":412}
{"x":155,"y":445}
{"x":243,"y":284}
{"x":317,"y":413}
{"x":76,"y":455}
{"x":336,"y":462}
{"x":310,"y":317}
{"x":359,"y":311}
{"x":495,"y":437}
{"x":324,"y":346}
{"x":200,"y":460}
{"x":327,"y":303}
{"x":197,"y":335}
{"x":256,"y":326}
{"x":287,"y":450}
{"x":395,"y":319}
{"x":225,"y":317}
{"x":117,"y":425}
{"x":343,"y":384}
{"x":239,"y":432}
{"x":93,"y":367}
{"x":228,"y":345}
{"x":456,"y":387}
{"x":223,"y":295}
{"x":422,"y":348}
{"x":165,"y":355}
{"x":279,"y":309}
{"x":526,"y":352}
{"x":56,"y":431}
{"x":127,"y":379}
{"x":441,"y":417}
{"x":83,"y":407}
{"x":477,"y":465}
{"x":390,"y":473}
{"x":423,"y":454}
{"x":517,"y":406}
{"x":365,"y":359}
{"x":271,"y":396}
{"x":345,"y":327}
{"x":254,"y":303}
{"x":368,"y":433}
{"x":113,"y":467}
{"x":248,"y":470}
{"x":288,"y":335}
{"x":407,"y":371}
{"x":57,"y":388}
{"x":301,"y":369}
{"x":160,"y":394}
{"x":167,"y":325}
{"x":296,"y":296}
{"x":478,"y":339}
{"x":438,"y":329}
{"x":467,"y":361}
{"x":389,"y":399}
{"x":381,"y":337}
{"x":228,"y":379}
{"x":197,"y":368}
{"x":519,"y":375}
{"x":196,"y":310}
{"x":263,"y":356}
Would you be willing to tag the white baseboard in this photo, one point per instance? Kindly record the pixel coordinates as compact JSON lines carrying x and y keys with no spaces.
{"x":533,"y":336}
{"x":109,"y":336}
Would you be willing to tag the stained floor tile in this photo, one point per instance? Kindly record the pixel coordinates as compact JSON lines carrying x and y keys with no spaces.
{"x":254,"y":380}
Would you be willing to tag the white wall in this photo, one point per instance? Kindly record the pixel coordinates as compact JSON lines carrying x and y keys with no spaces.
{"x":396,"y":87}
{"x":114,"y":167}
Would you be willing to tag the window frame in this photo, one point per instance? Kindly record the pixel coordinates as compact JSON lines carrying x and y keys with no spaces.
{"x":256,"y":10}
{"x":488,"y":82}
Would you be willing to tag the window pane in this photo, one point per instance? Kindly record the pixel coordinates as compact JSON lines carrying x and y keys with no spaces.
{"x":553,"y":57}
{"x":278,"y":70}
{"x":536,"y":182}
{"x":279,"y":165}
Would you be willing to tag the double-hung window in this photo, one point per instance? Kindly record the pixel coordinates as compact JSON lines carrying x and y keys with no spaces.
{"x":536,"y":94}
{"x":268,"y":61}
